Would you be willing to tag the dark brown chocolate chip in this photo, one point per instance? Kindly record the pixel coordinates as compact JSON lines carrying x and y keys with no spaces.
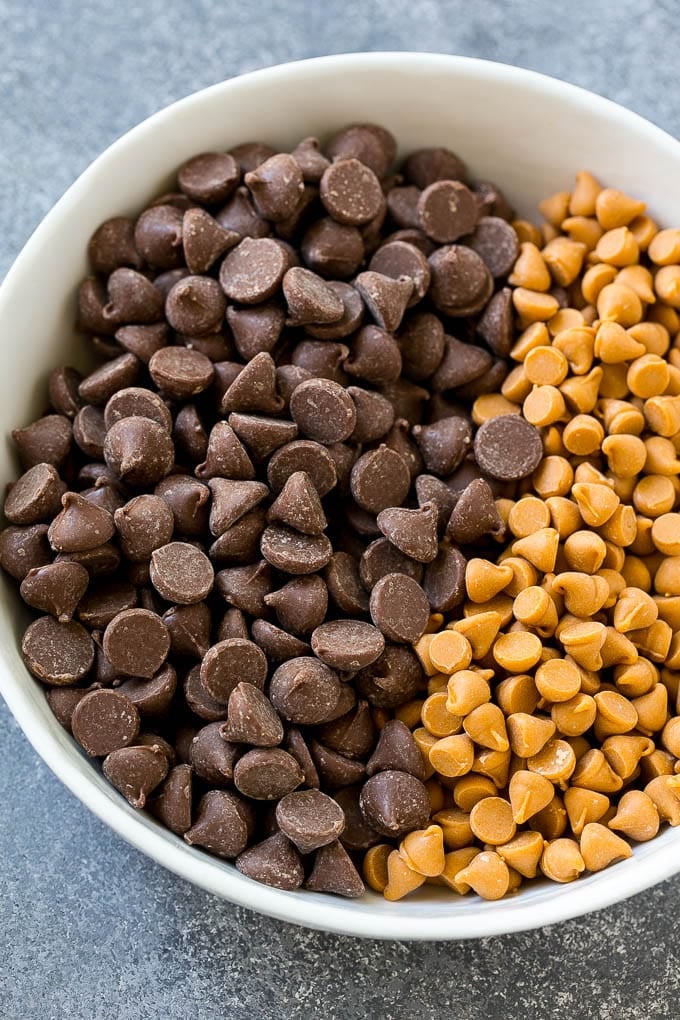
{"x":395,"y":803}
{"x":357,"y":834}
{"x":381,"y":558}
{"x":104,"y":600}
{"x":385,"y":298}
{"x":262,"y":436}
{"x":136,"y":643}
{"x":97,"y":387}
{"x":444,"y":444}
{"x":245,"y":587}
{"x":181,"y":373}
{"x":62,"y":388}
{"x":91,"y":301}
{"x":195,"y":305}
{"x":335,"y":770}
{"x":379,"y":479}
{"x":135,"y":401}
{"x":212,"y":756}
{"x":158,"y":237}
{"x":204,"y":240}
{"x":497,"y":243}
{"x":62,"y":702}
{"x":402,"y":205}
{"x":105,"y":559}
{"x":113,"y":245}
{"x":490,"y":382}
{"x":89,"y":431}
{"x":391,"y":680}
{"x":295,"y":744}
{"x":308,"y":156}
{"x":446,"y":211}
{"x":298,"y":505}
{"x":189,"y":501}
{"x":226,"y":456}
{"x":310,"y":819}
{"x":240,"y":216}
{"x":323,"y":411}
{"x":425,"y":166}
{"x":136,"y":772}
{"x":172,"y":804}
{"x":396,"y":749}
{"x":55,"y":588}
{"x":256,"y":328}
{"x":189,"y":629}
{"x":374,"y":416}
{"x":143,"y":341}
{"x":398,"y":259}
{"x":332,"y":250}
{"x":209,"y":177}
{"x":407,"y":399}
{"x":224,"y":824}
{"x":334,"y":872}
{"x":399,"y":608}
{"x":444,"y":580}
{"x":231,"y":662}
{"x":492,"y":201}
{"x":166,"y":280}
{"x":139,"y":450}
{"x":104,"y":721}
{"x":252,"y":719}
{"x":371,"y":144}
{"x":143,"y":524}
{"x":45,"y":441}
{"x":152,"y":697}
{"x":496,"y":326}
{"x":310,"y":299}
{"x":132,"y":298}
{"x":436,"y":492}
{"x":252,"y":272}
{"x":302,"y":455}
{"x":351,"y":192}
{"x":35,"y":496}
{"x":199,"y":701}
{"x":344,"y":584}
{"x":274,"y":862}
{"x":57,"y":653}
{"x":474,"y":515}
{"x":508,"y":447}
{"x":352,"y":734}
{"x":374,"y":356}
{"x":347,"y":645}
{"x":305,"y":691}
{"x":293,"y":552}
{"x":320,"y":360}
{"x":181,"y":573}
{"x":461,"y":283}
{"x":348,"y":323}
{"x":399,"y":439}
{"x":24,"y":549}
{"x":267,"y":773}
{"x":301,"y":604}
{"x":240,"y":544}
{"x":231,"y":499}
{"x":413,"y":532}
{"x":80,"y":525}
{"x":276,"y":186}
{"x":254,"y":388}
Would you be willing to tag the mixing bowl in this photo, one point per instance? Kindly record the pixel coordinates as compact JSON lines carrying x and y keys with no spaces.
{"x":525,"y":131}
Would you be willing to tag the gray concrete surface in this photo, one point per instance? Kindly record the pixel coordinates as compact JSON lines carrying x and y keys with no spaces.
{"x":89,"y":928}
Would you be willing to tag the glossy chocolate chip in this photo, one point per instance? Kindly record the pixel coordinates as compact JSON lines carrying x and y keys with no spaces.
{"x":136,"y":643}
{"x":267,"y":773}
{"x":395,"y":803}
{"x":396,"y":749}
{"x":35,"y":496}
{"x":252,"y":719}
{"x":139,"y":450}
{"x":413,"y":532}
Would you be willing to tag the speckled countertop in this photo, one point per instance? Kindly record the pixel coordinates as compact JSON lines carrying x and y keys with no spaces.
{"x":89,"y":928}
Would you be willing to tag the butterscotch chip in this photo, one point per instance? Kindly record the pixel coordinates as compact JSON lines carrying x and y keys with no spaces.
{"x":517,"y":652}
{"x":423,"y":851}
{"x":494,"y":764}
{"x":401,"y":879}
{"x":470,"y":789}
{"x":484,"y":580}
{"x":529,"y":793}
{"x":530,"y":269}
{"x":491,"y":821}
{"x":480,"y":631}
{"x":485,"y":725}
{"x":562,"y":861}
{"x":450,"y":651}
{"x":436,"y":717}
{"x":664,"y":791}
{"x":487,"y":874}
{"x":636,"y":816}
{"x":575,"y":715}
{"x":517,"y":694}
{"x":374,"y":866}
{"x":551,"y":822}
{"x":584,"y":806}
{"x":455,"y":862}
{"x":455,"y":826}
{"x":593,"y":772}
{"x":466,"y":691}
{"x":600,"y":847}
{"x":528,"y":734}
{"x":556,"y":761}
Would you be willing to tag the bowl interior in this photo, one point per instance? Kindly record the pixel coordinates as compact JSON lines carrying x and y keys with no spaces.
{"x":529,"y":134}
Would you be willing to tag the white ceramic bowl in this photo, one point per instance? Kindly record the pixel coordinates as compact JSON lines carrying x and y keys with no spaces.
{"x":525,"y":131}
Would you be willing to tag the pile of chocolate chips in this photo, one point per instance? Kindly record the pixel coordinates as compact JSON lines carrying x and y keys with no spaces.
{"x":236,"y":526}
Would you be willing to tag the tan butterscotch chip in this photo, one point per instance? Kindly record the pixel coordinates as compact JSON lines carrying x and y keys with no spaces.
{"x":583,"y":641}
{"x":575,"y":716}
{"x":669,"y":609}
{"x":662,"y":456}
{"x":533,"y":305}
{"x":585,"y":551}
{"x":546,"y":366}
{"x":422,"y":650}
{"x":624,"y":751}
{"x":500,"y":604}
{"x":470,"y":789}
{"x":654,"y":495}
{"x":516,"y":386}
{"x":666,"y":534}
{"x":618,"y":247}
{"x":555,"y":761}
{"x":452,"y":756}
{"x":535,"y":608}
{"x":551,"y":822}
{"x":437,"y":719}
{"x":449,"y":651}
{"x":527,"y":515}
{"x":652,"y":710}
{"x":617,"y":302}
{"x":584,"y":594}
{"x":544,"y":406}
{"x":555,"y":207}
{"x":662,"y":414}
{"x":584,"y":806}
{"x":666,"y":316}
{"x":558,"y":680}
{"x":527,"y":231}
{"x":565,"y":516}
{"x":617,"y":649}
{"x":667,"y":285}
{"x":644,"y":229}
{"x":654,"y":337}
{"x":664,"y":248}
{"x":401,"y":879}
{"x":620,"y":417}
{"x":615,"y":714}
{"x":614,"y":208}
{"x":659,"y":763}
{"x":455,"y":826}
{"x":455,"y":862}
{"x":485,"y":726}
{"x":409,"y":713}
{"x":577,"y":345}
{"x":564,"y":258}
{"x":595,"y":279}
{"x":467,"y":690}
{"x":523,"y":852}
{"x":374,"y":866}
{"x":491,"y":821}
{"x":561,"y":860}
{"x":528,"y":734}
{"x":584,"y":195}
{"x":634,"y":609}
{"x":530,"y":269}
{"x":484,"y":580}
{"x":529,"y":793}
{"x":667,"y":576}
{"x":494,"y":764}
{"x":583,"y":435}
{"x":423,"y":850}
{"x":614,"y":344}
{"x":491,"y":405}
{"x":593,"y":772}
{"x":637,"y":678}
{"x":517,"y":652}
{"x":436,"y":794}
{"x":636,"y":816}
{"x":601,"y":847}
{"x":524,"y":574}
{"x":625,"y":455}
{"x":664,"y":791}
{"x":425,"y":741}
{"x":639,"y":279}
{"x":517,"y":694}
{"x":479,"y":630}
{"x":487,"y":874}
{"x":647,"y":376}
{"x":540,"y":549}
{"x":670,"y":736}
{"x":584,"y":229}
{"x":596,"y":502}
{"x":566,"y":318}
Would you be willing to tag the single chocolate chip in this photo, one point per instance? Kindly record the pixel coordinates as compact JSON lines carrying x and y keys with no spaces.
{"x":241,"y":542}
{"x":80,"y":525}
{"x":254,"y":388}
{"x":323,"y":411}
{"x":396,"y":749}
{"x":100,"y":385}
{"x":351,"y":192}
{"x":172,"y":804}
{"x":438,"y":494}
{"x":371,"y":144}
{"x":391,"y":680}
{"x":139,"y":450}
{"x":181,"y":573}
{"x":407,"y":399}
{"x":381,"y":558}
{"x":199,"y":701}
{"x":461,"y":364}
{"x":45,"y":441}
{"x":461,"y":283}
{"x":335,"y":770}
{"x":181,"y":373}
{"x":204,"y":240}
{"x":508,"y":447}
{"x":24,"y":549}
{"x":496,"y":326}
{"x":252,"y":718}
{"x":132,"y":298}
{"x":276,"y":186}
{"x":413,"y":532}
{"x":352,"y":734}
{"x":35,"y":496}
{"x":113,"y":245}
{"x":379,"y":479}
{"x":357,"y":834}
{"x":143,"y":524}
{"x":310,"y":819}
{"x":301,"y":604}
{"x":333,"y":250}
{"x":62,"y":389}
{"x":385,"y":298}
{"x":91,"y":301}
{"x":165,"y":281}
{"x":136,"y":401}
{"x":55,"y":588}
{"x":57,"y":653}
{"x":321,"y":360}
{"x":136,"y":643}
{"x":347,"y":644}
{"x":497,"y":243}
{"x":224,"y":824}
{"x":474,"y":515}
{"x":402,"y":205}
{"x":189,"y":501}
{"x":374,"y":356}
{"x":209,"y":177}
{"x":444,"y":580}
{"x":262,"y":436}
{"x":256,"y":329}
{"x":274,"y":862}
{"x":446,"y":211}
{"x":252,"y":272}
{"x":398,"y":259}
{"x":374,"y":416}
{"x":344,"y":584}
{"x":399,"y":439}
{"x":295,"y":744}
{"x":310,"y":299}
{"x":492,"y":201}
{"x":334,"y":872}
{"x":226,"y":456}
{"x":348,"y":323}
{"x":425,"y":166}
{"x":308,"y":156}
{"x":152,"y":697}
{"x":298,"y":505}
{"x":293,"y":552}
{"x":143,"y":341}
{"x":195,"y":305}
{"x":399,"y":608}
{"x":267,"y":773}
{"x":62,"y":702}
{"x":395,"y":803}
{"x":105,"y":559}
{"x":277,"y":644}
{"x":104,"y":600}
{"x":231,"y":499}
{"x":246,"y":587}
{"x":305,"y":691}
{"x":136,"y":772}
{"x":104,"y":721}
{"x":302,"y":455}
{"x":189,"y":629}
{"x":158,"y":237}
{"x":444,"y":444}
{"x":230,"y":662}
{"x":212,"y":756}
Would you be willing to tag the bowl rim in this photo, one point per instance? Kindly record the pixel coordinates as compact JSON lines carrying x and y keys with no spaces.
{"x":312,"y":910}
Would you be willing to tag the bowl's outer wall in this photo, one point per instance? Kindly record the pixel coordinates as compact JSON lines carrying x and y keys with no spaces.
{"x":526,"y":132}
